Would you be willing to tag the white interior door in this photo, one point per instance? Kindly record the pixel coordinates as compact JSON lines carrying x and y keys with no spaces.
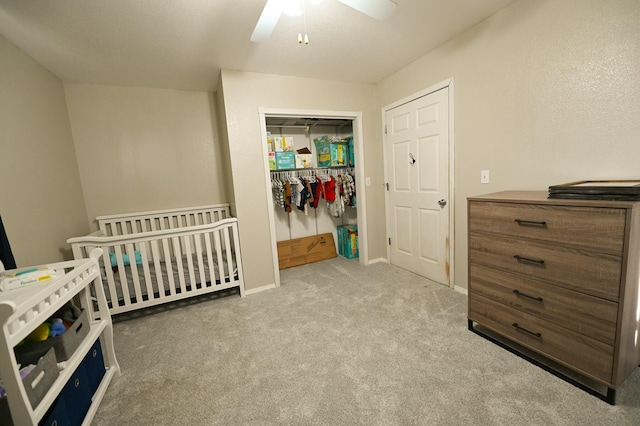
{"x":417,"y":144}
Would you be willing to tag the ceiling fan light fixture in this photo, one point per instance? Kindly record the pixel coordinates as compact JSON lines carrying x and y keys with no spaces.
{"x":273,"y":9}
{"x":291,"y":7}
{"x":304,"y":39}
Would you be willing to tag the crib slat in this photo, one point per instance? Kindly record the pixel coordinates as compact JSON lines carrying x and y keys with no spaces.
{"x":218,"y":249}
{"x":112,"y":297}
{"x":229,"y":254}
{"x":177,"y":252}
{"x":211,"y":280}
{"x":155,"y":252}
{"x":126,"y":299}
{"x":200,"y":259}
{"x":123,"y":228}
{"x":146,"y":272}
{"x":188,"y":253}
{"x":238,"y":258}
{"x":169,"y":265}
{"x":133,"y":265}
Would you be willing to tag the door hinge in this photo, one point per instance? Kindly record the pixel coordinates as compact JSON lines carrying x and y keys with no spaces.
{"x":389,"y":241}
{"x":387,"y":185}
{"x":385,"y":129}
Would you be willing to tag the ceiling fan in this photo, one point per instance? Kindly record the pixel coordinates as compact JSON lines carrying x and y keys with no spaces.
{"x":273,"y":9}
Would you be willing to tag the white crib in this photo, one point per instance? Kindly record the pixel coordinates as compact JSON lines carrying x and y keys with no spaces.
{"x":161,"y":256}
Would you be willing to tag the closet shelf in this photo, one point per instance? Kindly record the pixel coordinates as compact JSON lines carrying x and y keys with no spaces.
{"x":313,"y":169}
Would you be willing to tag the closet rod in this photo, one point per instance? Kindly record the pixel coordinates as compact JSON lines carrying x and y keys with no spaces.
{"x":292,"y":126}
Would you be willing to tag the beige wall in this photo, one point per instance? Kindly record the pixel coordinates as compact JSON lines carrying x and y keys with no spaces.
{"x":145,"y":149}
{"x":546,"y":92}
{"x":40,"y":194}
{"x":244,"y":94}
{"x":223,"y":138}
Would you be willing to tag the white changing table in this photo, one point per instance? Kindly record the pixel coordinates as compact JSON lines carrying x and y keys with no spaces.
{"x":22,"y":310}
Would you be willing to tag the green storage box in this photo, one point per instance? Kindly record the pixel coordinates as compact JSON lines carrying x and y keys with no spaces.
{"x":351,"y":151}
{"x":331,"y":154}
{"x":348,"y":241}
{"x":285,"y":160}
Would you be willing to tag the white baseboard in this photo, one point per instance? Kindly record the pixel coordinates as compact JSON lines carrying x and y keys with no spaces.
{"x":248,"y":292}
{"x":378,"y":260}
{"x":461,"y":290}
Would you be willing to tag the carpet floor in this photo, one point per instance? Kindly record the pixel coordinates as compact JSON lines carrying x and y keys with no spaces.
{"x":336,"y":344}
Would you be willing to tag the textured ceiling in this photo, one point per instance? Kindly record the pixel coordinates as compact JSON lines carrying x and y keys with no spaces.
{"x":183,"y":44}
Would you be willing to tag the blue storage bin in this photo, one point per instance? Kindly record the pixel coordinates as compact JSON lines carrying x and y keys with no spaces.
{"x":94,"y":366}
{"x":57,"y":414}
{"x":77,"y":396}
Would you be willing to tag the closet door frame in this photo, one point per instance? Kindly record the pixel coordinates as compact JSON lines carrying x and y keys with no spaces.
{"x":356,"y":118}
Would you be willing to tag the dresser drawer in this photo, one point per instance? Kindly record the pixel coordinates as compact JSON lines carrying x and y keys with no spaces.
{"x":600,"y":229}
{"x":580,"y":352}
{"x":585,"y":271}
{"x":584,"y":314}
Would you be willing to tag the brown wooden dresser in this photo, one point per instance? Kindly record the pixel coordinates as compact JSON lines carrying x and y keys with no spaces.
{"x":561,"y":278}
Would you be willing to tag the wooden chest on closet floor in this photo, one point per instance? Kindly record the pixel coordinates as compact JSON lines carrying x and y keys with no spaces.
{"x":560,"y":278}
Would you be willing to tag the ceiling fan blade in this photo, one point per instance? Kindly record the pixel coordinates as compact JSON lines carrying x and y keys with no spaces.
{"x":377,"y":9}
{"x":267,"y":21}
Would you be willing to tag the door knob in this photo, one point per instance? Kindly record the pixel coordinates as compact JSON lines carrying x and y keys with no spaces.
{"x":442,"y":203}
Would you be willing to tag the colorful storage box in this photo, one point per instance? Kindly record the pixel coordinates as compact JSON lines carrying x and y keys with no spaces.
{"x":272,"y":160}
{"x":352,"y":153}
{"x":285,"y":160}
{"x":303,"y":161}
{"x":322,"y":151}
{"x":348,"y":241}
{"x":331,"y":154}
{"x":283,"y":143}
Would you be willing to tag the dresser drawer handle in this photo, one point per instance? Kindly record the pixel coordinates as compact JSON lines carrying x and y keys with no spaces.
{"x":530,"y":222}
{"x":533,"y":333}
{"x":526,"y":259}
{"x":519,"y":293}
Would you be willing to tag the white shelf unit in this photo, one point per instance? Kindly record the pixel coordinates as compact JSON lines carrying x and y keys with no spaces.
{"x":22,"y":310}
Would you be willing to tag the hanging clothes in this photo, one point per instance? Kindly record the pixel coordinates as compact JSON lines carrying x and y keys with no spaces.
{"x":306,"y":191}
{"x":287,"y":197}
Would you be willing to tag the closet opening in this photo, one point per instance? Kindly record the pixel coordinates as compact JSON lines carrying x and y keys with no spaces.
{"x":315,"y":184}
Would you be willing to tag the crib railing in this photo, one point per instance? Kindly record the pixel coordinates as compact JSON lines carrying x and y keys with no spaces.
{"x":155,"y":272}
{"x":132,"y":223}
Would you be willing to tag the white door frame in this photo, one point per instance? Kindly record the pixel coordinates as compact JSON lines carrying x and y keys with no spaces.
{"x":441,"y":85}
{"x":361,"y":210}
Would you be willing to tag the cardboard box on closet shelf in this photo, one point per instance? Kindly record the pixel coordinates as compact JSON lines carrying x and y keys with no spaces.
{"x":283,"y":143}
{"x":270,"y":143}
{"x":272,"y":160}
{"x":287,"y":143}
{"x":331,"y":154}
{"x":301,"y":251}
{"x":352,"y":153}
{"x":303,"y":158}
{"x":285,"y":160}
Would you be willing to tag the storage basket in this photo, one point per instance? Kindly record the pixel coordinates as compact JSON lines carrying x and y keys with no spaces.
{"x":64,"y":345}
